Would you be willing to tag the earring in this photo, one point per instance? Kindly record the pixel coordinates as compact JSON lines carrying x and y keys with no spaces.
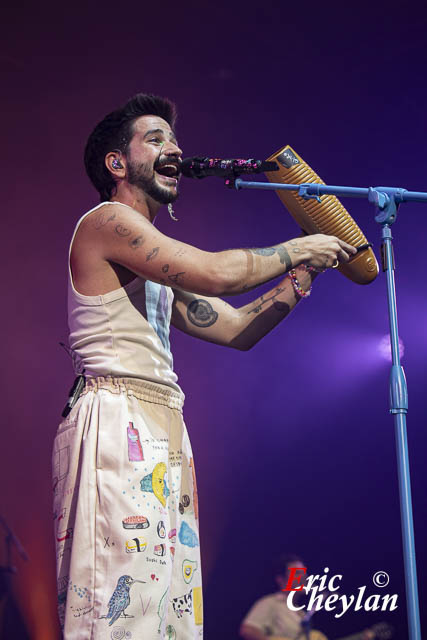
{"x":116,"y":164}
{"x":171,"y":212}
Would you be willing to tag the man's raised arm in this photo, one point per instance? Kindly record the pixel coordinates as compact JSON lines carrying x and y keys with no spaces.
{"x":121,"y":235}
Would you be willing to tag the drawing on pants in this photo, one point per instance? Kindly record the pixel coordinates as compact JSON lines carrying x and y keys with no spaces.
{"x":120,"y":599}
{"x":135,"y":522}
{"x":183,"y":604}
{"x":136,"y":545}
{"x":188,"y":569}
{"x":170,"y":633}
{"x":120,"y":633}
{"x":155,"y":483}
{"x":135,"y":453}
{"x":161,"y":609}
{"x":187,"y":536}
{"x":185,"y":502}
{"x":61,"y":468}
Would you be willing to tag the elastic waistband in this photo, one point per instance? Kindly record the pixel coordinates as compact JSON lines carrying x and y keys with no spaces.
{"x":141,"y":389}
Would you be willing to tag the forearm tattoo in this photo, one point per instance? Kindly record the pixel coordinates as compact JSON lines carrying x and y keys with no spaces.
{"x":284,"y":256}
{"x":294,"y":244}
{"x":201,"y":313}
{"x":268,"y":251}
{"x":279,"y":306}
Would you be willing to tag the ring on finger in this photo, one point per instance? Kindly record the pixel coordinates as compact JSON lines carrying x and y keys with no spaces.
{"x":335,"y":264}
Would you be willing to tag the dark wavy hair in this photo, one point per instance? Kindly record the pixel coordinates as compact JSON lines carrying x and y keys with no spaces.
{"x":280,"y":567}
{"x":115,"y":131}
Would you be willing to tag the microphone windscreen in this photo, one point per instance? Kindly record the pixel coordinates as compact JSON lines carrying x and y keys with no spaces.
{"x":189,"y":167}
{"x":328,"y":216}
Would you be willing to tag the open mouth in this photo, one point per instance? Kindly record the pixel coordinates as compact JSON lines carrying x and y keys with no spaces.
{"x":169,"y":171}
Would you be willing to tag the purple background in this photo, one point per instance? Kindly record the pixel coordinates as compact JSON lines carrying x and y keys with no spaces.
{"x":293,"y":442}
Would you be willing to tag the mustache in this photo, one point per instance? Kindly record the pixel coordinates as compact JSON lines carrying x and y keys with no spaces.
{"x":174,"y":160}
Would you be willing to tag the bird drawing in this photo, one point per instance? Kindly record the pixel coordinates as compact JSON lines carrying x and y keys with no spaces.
{"x":120,"y":600}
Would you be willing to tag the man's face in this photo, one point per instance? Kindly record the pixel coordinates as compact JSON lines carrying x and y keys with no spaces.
{"x":153,"y":158}
{"x":282,"y":580}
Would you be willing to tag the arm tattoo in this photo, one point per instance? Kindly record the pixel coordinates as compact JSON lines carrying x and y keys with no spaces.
{"x":269,"y":251}
{"x":176,"y":276}
{"x":122,"y":231}
{"x":279,"y":306}
{"x":152,"y":254}
{"x":102,"y":219}
{"x":284,"y":257}
{"x":294,"y":243}
{"x":165,"y":268}
{"x":281,"y":252}
{"x":200,"y":313}
{"x":135,"y":243}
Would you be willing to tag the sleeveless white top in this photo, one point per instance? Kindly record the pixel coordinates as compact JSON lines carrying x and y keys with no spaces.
{"x":123,"y":333}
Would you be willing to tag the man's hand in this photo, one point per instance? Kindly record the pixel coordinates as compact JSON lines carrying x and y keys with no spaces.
{"x":321,"y":251}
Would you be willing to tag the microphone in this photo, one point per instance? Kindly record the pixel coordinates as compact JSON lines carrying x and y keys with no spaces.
{"x":204,"y":167}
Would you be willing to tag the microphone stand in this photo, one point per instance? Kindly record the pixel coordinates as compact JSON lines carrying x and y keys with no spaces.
{"x":386,"y":201}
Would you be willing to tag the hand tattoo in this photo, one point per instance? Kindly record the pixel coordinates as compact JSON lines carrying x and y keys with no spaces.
{"x":201,"y":313}
{"x":165,"y":268}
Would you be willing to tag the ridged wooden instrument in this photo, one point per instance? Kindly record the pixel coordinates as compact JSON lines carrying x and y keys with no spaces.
{"x":328,"y":216}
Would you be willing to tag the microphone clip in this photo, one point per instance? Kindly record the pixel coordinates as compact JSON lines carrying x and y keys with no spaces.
{"x":303,"y":193}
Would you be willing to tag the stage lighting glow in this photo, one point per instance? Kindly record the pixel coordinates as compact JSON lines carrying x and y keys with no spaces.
{"x":384,"y":347}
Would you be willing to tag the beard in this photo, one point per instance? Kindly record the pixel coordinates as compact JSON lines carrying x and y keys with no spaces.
{"x":139,"y":176}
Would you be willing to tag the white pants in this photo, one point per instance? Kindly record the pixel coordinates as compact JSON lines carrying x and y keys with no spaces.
{"x":126,"y":517}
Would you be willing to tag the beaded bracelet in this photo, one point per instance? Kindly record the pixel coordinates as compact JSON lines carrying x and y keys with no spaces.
{"x":296,"y":285}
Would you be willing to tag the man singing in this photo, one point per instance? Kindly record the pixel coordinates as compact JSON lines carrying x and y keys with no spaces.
{"x":125,"y":504}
